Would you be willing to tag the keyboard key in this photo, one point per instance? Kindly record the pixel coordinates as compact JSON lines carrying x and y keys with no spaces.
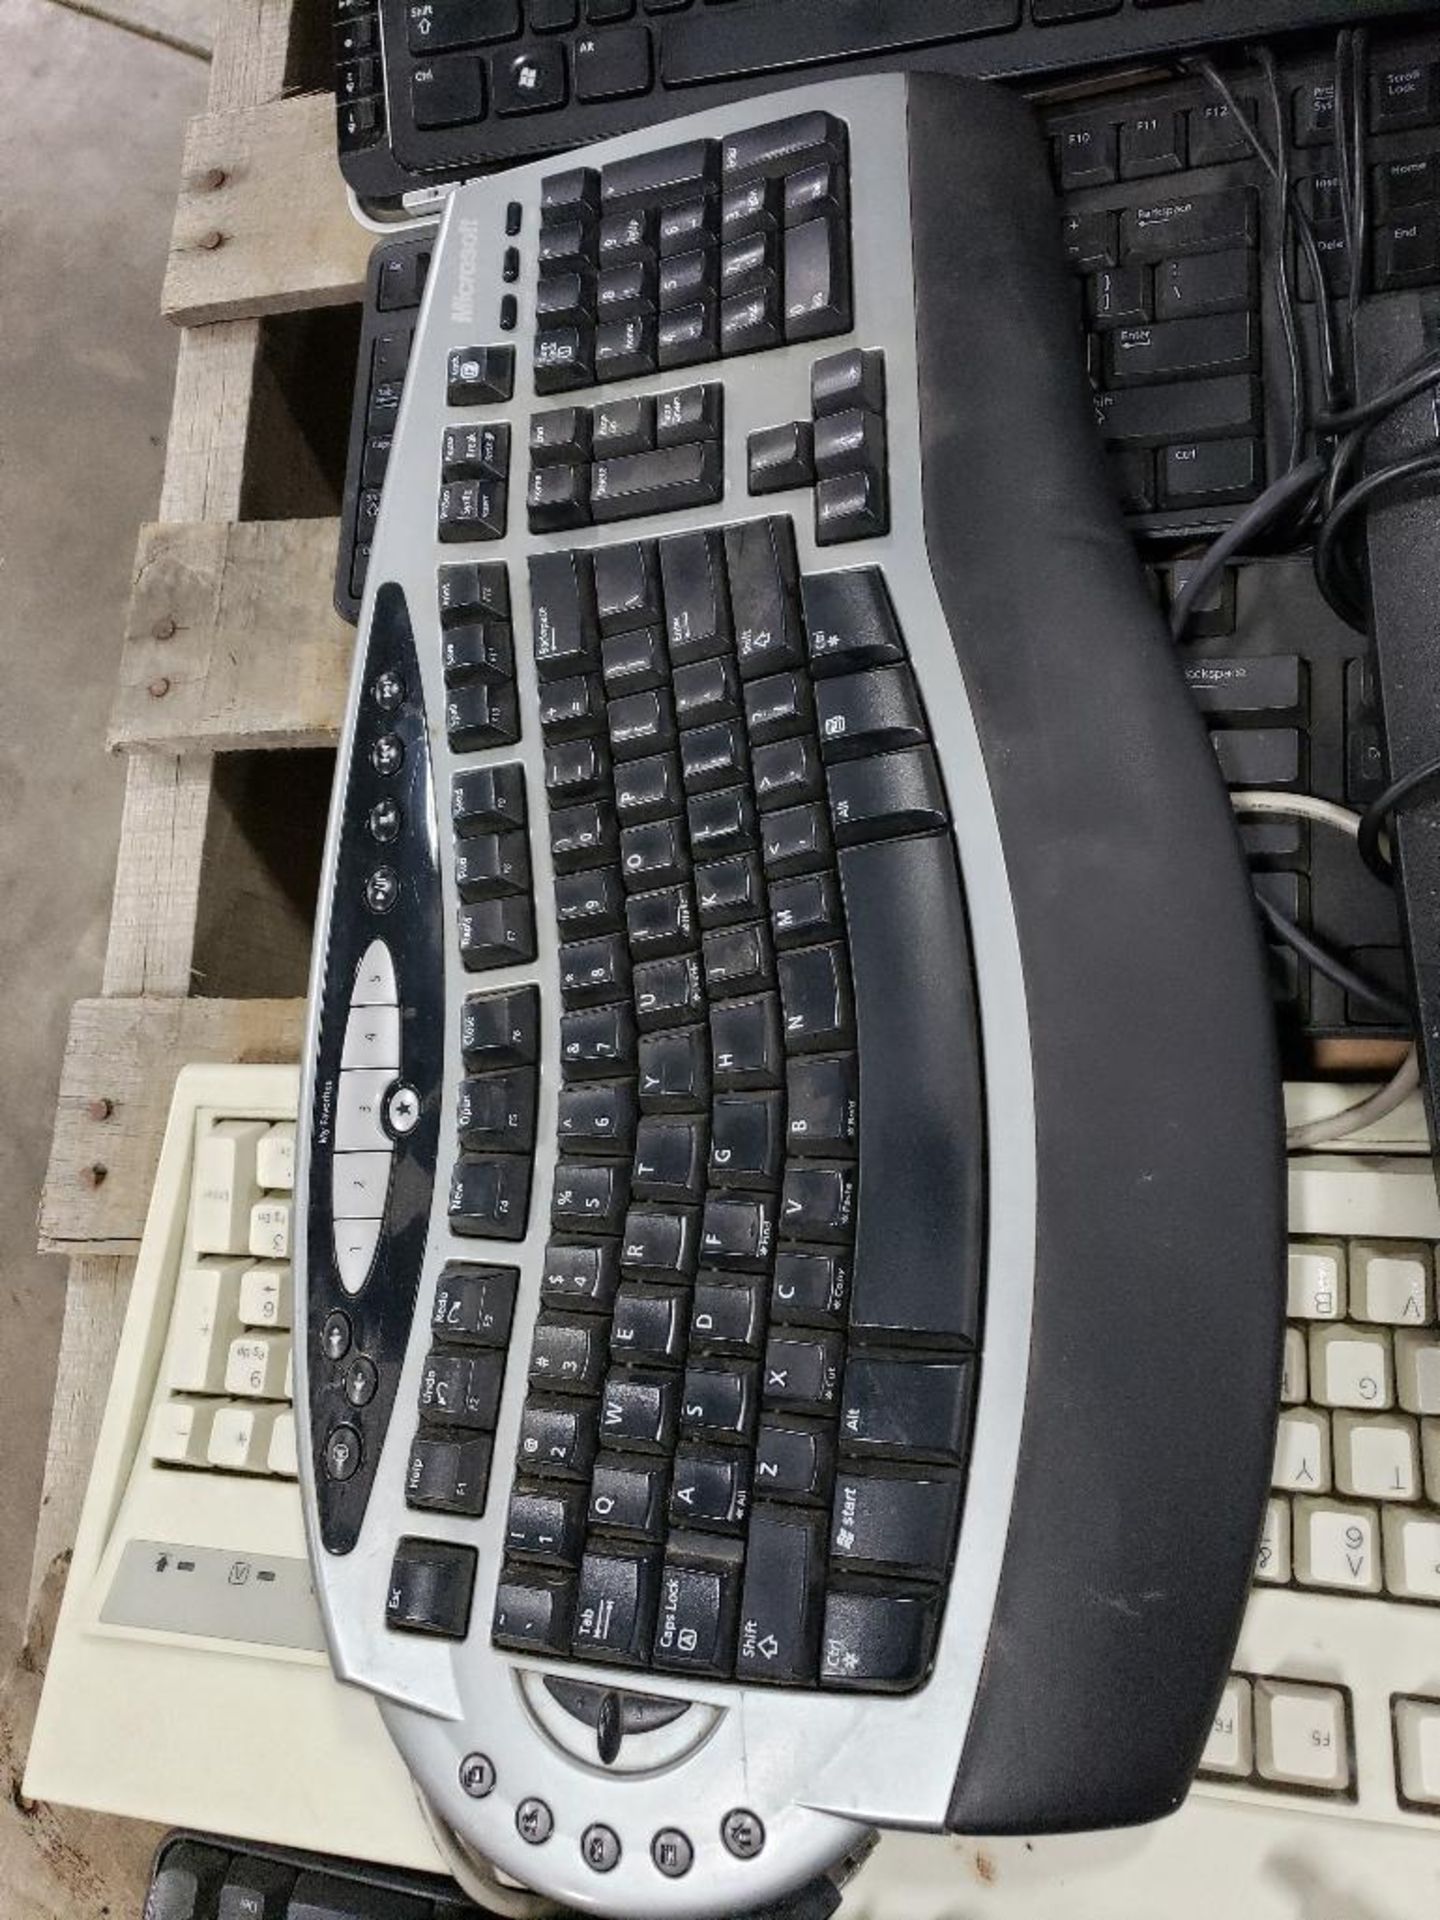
{"x":533,"y":1611}
{"x":917,"y":1255}
{"x":747,"y":1140}
{"x":1190,"y":223}
{"x":1302,"y":1451}
{"x":1187,"y":410}
{"x":718,"y":1402}
{"x":615,"y":1606}
{"x":710,"y":1490}
{"x":689,"y":475}
{"x":1272,"y":1562}
{"x":780,"y":1607}
{"x":1151,"y":143}
{"x":907,"y":1408}
{"x":1210,"y":472}
{"x":1230,"y":1747}
{"x":1337,"y":1546}
{"x":638,"y":1409}
{"x":648,"y":1325}
{"x":1206,"y":283}
{"x":1300,"y":1735}
{"x":1376,"y":1459}
{"x":1417,"y":1372}
{"x":567,"y":1355}
{"x":530,"y":82}
{"x":1295,"y":1372}
{"x":1412,"y":1554}
{"x":1349,"y":1368}
{"x":1213,"y":344}
{"x":449,"y":1475}
{"x":699,"y":1605}
{"x":1259,"y":756}
{"x":1390,"y":1282}
{"x":608,"y":66}
{"x":556,"y":1439}
{"x":881,"y":1641}
{"x":760,"y":558}
{"x":885,"y":796}
{"x":1087,"y":156}
{"x":1417,"y":1746}
{"x":431,"y":1583}
{"x":628,"y":1496}
{"x":894,"y":1526}
{"x":1317,"y":1276}
{"x":794,"y":1460}
{"x":547,"y":1527}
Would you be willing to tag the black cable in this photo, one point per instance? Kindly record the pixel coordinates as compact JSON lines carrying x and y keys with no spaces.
{"x":1334,"y":968}
{"x":1340,"y":118}
{"x":1422,"y":373}
{"x":1416,"y":466}
{"x":1277,"y":499}
{"x":1372,"y":820}
{"x":1356,"y":142}
{"x":1284,"y":291}
{"x":1329,"y":346}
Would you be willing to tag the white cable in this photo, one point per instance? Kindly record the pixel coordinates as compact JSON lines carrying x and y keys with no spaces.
{"x":1347,"y":1120}
{"x":1299,"y":806}
{"x":1375,"y":1106}
{"x":477,"y":1879}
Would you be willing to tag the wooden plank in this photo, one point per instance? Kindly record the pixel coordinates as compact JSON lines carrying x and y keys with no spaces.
{"x":96,"y":1295}
{"x":209,"y":422}
{"x":262,"y":224}
{"x":230,"y":638}
{"x":118,"y":1073}
{"x":252,"y":41}
{"x":158,"y":875}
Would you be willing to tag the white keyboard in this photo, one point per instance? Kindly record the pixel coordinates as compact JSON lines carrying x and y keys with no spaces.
{"x":188,"y":1681}
{"x":1320,"y":1792}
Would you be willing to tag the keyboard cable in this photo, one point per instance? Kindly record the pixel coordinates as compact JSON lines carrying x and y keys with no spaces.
{"x":1406,"y":1078}
{"x":1307,"y":806}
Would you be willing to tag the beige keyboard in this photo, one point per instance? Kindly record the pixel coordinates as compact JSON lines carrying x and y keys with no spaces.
{"x":228,"y":1366}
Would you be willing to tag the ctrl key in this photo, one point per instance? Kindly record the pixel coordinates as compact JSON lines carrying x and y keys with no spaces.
{"x":431,"y":1585}
{"x":880,"y":1640}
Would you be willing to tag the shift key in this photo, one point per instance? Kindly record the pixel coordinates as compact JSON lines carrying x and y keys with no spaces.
{"x":1212,"y":344}
{"x":1193,"y":410}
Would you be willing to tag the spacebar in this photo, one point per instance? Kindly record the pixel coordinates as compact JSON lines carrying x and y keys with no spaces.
{"x":917,"y":1274}
{"x":725,"y":42}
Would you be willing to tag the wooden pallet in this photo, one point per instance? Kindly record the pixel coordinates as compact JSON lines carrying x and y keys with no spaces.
{"x":232,"y":683}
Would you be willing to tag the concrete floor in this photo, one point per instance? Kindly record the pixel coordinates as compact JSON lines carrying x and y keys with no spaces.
{"x":91,"y":122}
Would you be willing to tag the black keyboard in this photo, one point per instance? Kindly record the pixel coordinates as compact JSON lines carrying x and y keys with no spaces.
{"x":1171,"y":228}
{"x":433,"y":90}
{"x":1288,"y":693}
{"x":199,"y":1877}
{"x":747,"y":982}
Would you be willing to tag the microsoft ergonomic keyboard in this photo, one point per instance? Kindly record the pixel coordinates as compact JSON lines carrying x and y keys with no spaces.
{"x":785,"y":1000}
{"x":1173,"y":234}
{"x":429,"y":91}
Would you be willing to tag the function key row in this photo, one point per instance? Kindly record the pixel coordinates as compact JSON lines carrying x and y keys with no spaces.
{"x":669,"y":259}
{"x":625,"y":458}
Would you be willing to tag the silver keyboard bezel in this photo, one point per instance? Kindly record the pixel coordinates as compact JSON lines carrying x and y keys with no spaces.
{"x":817,"y":1768}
